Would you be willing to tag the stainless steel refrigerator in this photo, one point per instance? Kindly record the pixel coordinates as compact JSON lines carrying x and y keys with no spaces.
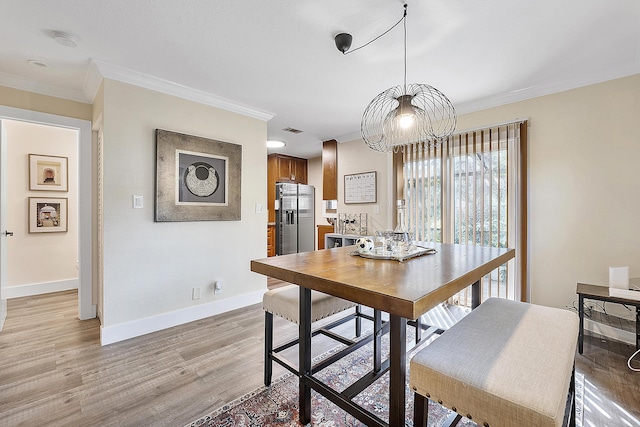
{"x":295,"y":218}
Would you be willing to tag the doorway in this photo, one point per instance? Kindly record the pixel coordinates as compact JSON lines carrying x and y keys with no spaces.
{"x":82,"y":209}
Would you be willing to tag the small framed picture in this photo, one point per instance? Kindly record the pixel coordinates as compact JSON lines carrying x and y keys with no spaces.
{"x":47,"y":214}
{"x":48,"y":173}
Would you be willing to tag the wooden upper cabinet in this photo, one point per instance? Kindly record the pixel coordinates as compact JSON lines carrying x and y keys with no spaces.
{"x":330,"y":170}
{"x":299,"y":168}
{"x":290,"y":169}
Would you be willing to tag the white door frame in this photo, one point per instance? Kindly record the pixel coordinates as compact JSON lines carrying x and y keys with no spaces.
{"x":86,"y":308}
{"x":3,"y":224}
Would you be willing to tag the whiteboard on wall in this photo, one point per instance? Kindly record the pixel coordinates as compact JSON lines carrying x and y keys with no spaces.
{"x":360,"y":188}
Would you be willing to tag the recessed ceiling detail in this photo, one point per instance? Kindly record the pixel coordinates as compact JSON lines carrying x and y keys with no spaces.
{"x":292,"y":130}
{"x":65,"y":39}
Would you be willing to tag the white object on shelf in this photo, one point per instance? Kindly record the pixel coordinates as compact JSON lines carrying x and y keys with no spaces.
{"x":619,"y":277}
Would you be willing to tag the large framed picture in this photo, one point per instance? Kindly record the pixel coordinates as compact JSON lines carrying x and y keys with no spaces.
{"x":197,"y":179}
{"x":47,"y":214}
{"x":48,"y":173}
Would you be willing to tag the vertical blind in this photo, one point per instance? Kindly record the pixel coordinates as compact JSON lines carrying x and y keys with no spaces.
{"x":468,"y":190}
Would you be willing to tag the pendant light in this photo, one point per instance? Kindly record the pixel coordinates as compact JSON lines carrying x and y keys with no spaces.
{"x":407,"y":114}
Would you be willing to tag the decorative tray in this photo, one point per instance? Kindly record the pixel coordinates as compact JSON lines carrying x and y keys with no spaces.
{"x":377,"y":253}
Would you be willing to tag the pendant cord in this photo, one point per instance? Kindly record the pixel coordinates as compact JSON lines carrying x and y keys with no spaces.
{"x":394,"y":25}
{"x":404,"y":18}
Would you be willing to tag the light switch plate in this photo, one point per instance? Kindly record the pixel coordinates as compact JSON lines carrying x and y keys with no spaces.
{"x":138,"y":202}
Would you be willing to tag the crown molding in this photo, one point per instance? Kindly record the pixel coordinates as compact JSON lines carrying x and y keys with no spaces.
{"x":115,"y":72}
{"x":543,"y":90}
{"x":30,"y":85}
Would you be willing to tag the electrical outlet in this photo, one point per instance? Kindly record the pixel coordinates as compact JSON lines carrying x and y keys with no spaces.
{"x":195,"y":293}
{"x":217,"y":287}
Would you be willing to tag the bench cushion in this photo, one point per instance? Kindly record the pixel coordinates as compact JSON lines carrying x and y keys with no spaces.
{"x":283,"y":302}
{"x":506,"y":363}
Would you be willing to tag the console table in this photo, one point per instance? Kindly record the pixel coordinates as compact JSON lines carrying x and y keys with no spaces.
{"x":601,"y":293}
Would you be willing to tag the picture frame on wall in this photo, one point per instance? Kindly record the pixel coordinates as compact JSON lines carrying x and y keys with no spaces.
{"x":197,"y":179}
{"x":48,"y":173}
{"x":48,"y":214}
{"x":360,"y":188}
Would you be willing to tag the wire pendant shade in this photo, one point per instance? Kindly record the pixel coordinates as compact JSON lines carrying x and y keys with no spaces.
{"x":407,"y":114}
{"x":431,"y":114}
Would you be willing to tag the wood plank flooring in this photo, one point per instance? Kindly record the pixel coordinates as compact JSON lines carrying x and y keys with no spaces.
{"x":54,"y":372}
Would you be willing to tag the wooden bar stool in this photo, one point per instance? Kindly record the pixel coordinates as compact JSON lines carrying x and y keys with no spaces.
{"x":284,"y":302}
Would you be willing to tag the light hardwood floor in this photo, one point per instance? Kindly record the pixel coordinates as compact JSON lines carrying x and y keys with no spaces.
{"x":54,"y":372}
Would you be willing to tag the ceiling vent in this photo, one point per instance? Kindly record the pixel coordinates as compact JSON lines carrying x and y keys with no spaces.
{"x":292,"y":130}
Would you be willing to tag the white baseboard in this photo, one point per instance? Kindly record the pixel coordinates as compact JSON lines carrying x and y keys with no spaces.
{"x":136,"y":328}
{"x":3,"y":312}
{"x":609,"y":331}
{"x":39,"y":288}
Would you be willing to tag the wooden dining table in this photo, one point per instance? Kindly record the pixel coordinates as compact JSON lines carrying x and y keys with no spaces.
{"x":405,"y":290}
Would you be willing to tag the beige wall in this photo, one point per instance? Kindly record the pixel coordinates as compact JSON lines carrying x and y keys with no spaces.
{"x":151,"y":267}
{"x":354,"y":157}
{"x":43,"y":257}
{"x":44,"y":104}
{"x":583,"y":192}
{"x":314,"y":177}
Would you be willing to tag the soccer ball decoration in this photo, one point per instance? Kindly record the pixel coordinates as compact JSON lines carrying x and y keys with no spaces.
{"x":364,"y":244}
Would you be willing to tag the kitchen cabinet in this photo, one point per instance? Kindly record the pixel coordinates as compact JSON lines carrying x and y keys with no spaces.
{"x":271,"y":240}
{"x":290,"y":169}
{"x":330,"y":170}
{"x":322,"y":231}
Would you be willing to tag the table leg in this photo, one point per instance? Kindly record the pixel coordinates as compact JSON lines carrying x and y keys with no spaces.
{"x":397,"y":369}
{"x":581,"y":317}
{"x":475,"y":294}
{"x":377,"y":340}
{"x":637,"y":327}
{"x":304,"y":357}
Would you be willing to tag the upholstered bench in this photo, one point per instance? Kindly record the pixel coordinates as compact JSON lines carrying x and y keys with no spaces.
{"x":506,"y":363}
{"x":284,"y":302}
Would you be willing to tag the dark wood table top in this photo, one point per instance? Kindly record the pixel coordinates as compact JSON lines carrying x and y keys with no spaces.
{"x":407,"y":289}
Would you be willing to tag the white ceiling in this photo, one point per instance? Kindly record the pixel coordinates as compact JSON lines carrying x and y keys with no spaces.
{"x":278,"y":57}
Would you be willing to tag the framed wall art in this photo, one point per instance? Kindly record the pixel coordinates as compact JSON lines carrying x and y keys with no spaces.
{"x":197,"y":179}
{"x":360,"y":188}
{"x":47,"y":214}
{"x":48,"y":173}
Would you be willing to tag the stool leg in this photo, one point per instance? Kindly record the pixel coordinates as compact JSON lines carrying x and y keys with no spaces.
{"x":268,"y":347}
{"x":358,"y":320}
{"x":572,"y":419}
{"x":420,"y":410}
{"x":418,"y":329}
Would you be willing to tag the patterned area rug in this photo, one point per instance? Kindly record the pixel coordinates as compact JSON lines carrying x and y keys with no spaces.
{"x":277,"y":405}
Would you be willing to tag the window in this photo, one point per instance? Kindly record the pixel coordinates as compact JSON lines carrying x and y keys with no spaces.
{"x":470,"y":190}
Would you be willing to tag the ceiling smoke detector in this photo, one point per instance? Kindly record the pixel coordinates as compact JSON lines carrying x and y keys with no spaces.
{"x":65,"y":39}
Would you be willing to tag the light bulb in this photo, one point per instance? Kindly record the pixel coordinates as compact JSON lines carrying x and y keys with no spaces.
{"x":405,"y":121}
